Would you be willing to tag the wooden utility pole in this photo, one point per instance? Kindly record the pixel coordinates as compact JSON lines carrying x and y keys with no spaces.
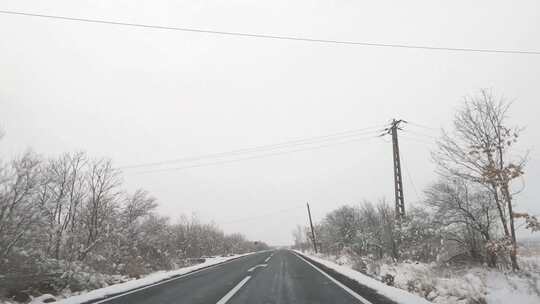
{"x":312,"y":231}
{"x":398,"y":181}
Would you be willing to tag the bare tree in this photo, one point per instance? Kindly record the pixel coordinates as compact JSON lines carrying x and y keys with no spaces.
{"x":388,"y":228}
{"x":62,"y":192}
{"x":300,"y":240}
{"x":101,"y":205}
{"x":342,"y":228}
{"x":17,"y":208}
{"x":478,"y":151}
{"x":466,"y":211}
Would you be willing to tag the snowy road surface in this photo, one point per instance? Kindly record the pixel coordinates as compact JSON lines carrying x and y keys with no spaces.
{"x":267,"y":277}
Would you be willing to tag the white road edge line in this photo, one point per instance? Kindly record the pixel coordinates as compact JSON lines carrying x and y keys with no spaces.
{"x":169,"y":280}
{"x":267,"y":259}
{"x":338,"y":283}
{"x":257,"y":266}
{"x":231,"y":293}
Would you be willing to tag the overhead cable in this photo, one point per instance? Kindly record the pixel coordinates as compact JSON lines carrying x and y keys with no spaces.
{"x":276,"y":37}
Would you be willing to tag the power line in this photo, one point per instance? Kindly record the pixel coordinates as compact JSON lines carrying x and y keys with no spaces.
{"x":264,"y":148}
{"x":423,"y":126}
{"x":418,"y":140}
{"x":410,"y":177}
{"x":222,"y":155}
{"x":276,"y":37}
{"x":421,"y":134}
{"x":254,"y":157}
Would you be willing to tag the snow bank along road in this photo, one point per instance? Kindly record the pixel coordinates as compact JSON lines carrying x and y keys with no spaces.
{"x":268,"y":277}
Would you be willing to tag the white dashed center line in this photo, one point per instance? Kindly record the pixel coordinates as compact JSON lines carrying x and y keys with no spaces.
{"x":255,"y":267}
{"x":231,"y":293}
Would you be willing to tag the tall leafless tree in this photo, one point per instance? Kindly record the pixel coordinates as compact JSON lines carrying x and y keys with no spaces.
{"x":62,"y":193}
{"x":101,"y":204}
{"x":478,"y":150}
{"x":19,"y":185}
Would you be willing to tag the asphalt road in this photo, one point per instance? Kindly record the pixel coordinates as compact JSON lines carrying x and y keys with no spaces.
{"x":263,"y":278}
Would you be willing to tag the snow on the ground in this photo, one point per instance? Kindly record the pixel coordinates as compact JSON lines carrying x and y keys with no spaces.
{"x":46,"y":298}
{"x":443,"y":284}
{"x":522,"y":288}
{"x":438,"y":284}
{"x":150,"y":279}
{"x":395,"y":294}
{"x":504,"y":289}
{"x":460,"y":285}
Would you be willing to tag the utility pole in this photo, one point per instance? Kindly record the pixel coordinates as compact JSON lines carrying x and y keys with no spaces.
{"x":398,"y":181}
{"x":312,"y":231}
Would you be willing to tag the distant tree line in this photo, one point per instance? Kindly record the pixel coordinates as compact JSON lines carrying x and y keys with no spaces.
{"x":65,"y":216}
{"x":468,"y":213}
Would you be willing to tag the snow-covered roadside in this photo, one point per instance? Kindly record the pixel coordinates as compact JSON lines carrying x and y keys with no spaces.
{"x":395,"y":294}
{"x":505,"y":288}
{"x":150,"y":279}
{"x":457,"y":285}
{"x":443,"y":284}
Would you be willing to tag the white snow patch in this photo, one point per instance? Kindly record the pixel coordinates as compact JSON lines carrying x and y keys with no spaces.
{"x":45,"y":298}
{"x":503,"y":289}
{"x":150,"y":279}
{"x":460,"y":285}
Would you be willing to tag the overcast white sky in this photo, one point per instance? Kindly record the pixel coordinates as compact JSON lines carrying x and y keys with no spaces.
{"x":142,"y":95}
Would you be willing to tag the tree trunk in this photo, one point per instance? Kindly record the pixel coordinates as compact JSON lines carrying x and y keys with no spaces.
{"x":491,"y":259}
{"x":499,"y":208}
{"x":513,"y":252}
{"x":491,"y":256}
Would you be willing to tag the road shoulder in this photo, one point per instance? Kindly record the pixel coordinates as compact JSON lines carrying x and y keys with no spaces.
{"x":369,"y":288}
{"x":117,"y":290}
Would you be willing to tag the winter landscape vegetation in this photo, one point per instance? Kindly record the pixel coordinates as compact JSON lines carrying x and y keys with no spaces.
{"x":269,"y":152}
{"x":68,"y":227}
{"x":459,"y":245}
